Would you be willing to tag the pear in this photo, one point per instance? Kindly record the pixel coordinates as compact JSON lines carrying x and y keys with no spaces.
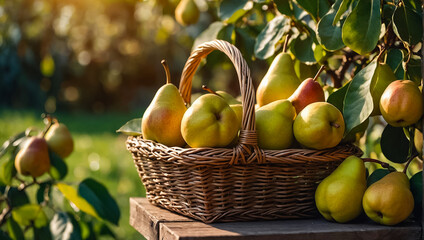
{"x":418,"y":142}
{"x":33,"y":158}
{"x":209,"y":122}
{"x":389,"y":201}
{"x":401,"y":103}
{"x":274,"y":124}
{"x":339,"y":196}
{"x":59,"y":140}
{"x":309,"y":91}
{"x":382,"y":77}
{"x":279,"y":82}
{"x":319,"y":125}
{"x":187,"y":12}
{"x":162,"y":119}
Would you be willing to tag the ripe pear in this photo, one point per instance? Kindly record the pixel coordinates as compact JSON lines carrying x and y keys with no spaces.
{"x":339,"y":196}
{"x":319,"y":125}
{"x":382,"y":77}
{"x":309,"y":91}
{"x":59,"y":140}
{"x":33,"y":158}
{"x":187,"y":12}
{"x":389,"y":201}
{"x":209,"y":122}
{"x":274,"y":125}
{"x":279,"y":82}
{"x":418,"y":142}
{"x":162,"y":119}
{"x":401,"y":103}
{"x":234,"y":104}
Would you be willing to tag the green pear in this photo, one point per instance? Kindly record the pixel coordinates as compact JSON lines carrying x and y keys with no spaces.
{"x":401,"y":103}
{"x":187,"y":12}
{"x":339,"y":196}
{"x":274,"y":125}
{"x":418,"y":142}
{"x":209,"y":122}
{"x":33,"y":158}
{"x":279,"y":82}
{"x":234,"y":104}
{"x":59,"y":140}
{"x":382,"y":77}
{"x":319,"y":125}
{"x":162,"y":119}
{"x":389,"y":201}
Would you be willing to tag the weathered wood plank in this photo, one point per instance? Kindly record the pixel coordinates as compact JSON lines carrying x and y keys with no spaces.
{"x":146,"y":218}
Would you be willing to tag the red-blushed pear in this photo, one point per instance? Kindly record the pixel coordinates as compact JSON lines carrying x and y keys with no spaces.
{"x":401,"y":103}
{"x":309,"y":91}
{"x":319,"y":125}
{"x":33,"y":158}
{"x":59,"y":140}
{"x":162,"y":119}
{"x":209,"y":122}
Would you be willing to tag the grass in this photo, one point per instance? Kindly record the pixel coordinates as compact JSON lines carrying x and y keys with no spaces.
{"x":99,"y":153}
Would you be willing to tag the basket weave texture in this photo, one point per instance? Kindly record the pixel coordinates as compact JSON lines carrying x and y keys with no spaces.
{"x":243,"y":183}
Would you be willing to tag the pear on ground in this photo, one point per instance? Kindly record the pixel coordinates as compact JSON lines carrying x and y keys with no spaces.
{"x":161,"y":121}
{"x":339,"y":196}
{"x":279,"y":82}
{"x":187,"y":12}
{"x":309,"y":91}
{"x":401,"y":103}
{"x":209,"y":122}
{"x":319,"y":125}
{"x":382,"y":77}
{"x":389,"y":201}
{"x":33,"y":158}
{"x":59,"y":140}
{"x":274,"y":125}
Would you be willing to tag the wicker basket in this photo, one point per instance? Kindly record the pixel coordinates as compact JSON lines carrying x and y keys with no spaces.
{"x":239,"y":184}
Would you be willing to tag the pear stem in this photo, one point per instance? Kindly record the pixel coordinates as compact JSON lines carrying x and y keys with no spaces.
{"x":50,"y":121}
{"x":319,"y":72}
{"x":286,"y":42}
{"x":381,"y":52}
{"x":204,"y":87}
{"x":383,"y":164}
{"x":409,"y":162}
{"x":168,"y":73}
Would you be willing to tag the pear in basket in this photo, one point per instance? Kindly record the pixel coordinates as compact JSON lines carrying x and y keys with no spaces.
{"x":162,"y":119}
{"x":274,"y":125}
{"x":209,"y":122}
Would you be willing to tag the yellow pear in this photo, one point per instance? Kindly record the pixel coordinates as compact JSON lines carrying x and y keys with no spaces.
{"x":389,"y":201}
{"x":59,"y":140}
{"x":382,"y":77}
{"x":162,"y":119}
{"x":274,"y":125}
{"x":279,"y":82}
{"x":33,"y":158}
{"x":339,"y":196}
{"x":187,"y":12}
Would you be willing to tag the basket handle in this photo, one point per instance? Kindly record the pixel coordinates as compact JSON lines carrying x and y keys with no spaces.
{"x":247,"y":149}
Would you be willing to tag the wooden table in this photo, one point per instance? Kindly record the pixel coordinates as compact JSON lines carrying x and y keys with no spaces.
{"x":157,"y":223}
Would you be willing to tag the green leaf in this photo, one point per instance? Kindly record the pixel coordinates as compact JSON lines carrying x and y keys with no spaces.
{"x":58,"y":167}
{"x":61,"y":227}
{"x":285,"y":7}
{"x":301,"y":47}
{"x":14,"y":230}
{"x":394,"y":59}
{"x":4,"y":235}
{"x":416,"y":183}
{"x":45,"y":186}
{"x":42,"y":233}
{"x":377,"y":175}
{"x":103,"y":230}
{"x":394,"y":144}
{"x":131,"y":128}
{"x":413,"y":72}
{"x":17,"y":197}
{"x":341,"y":9}
{"x":72,"y":195}
{"x":316,"y":8}
{"x":10,"y":143}
{"x":226,"y":33}
{"x":30,"y":214}
{"x":7,"y":171}
{"x":337,"y":97}
{"x":329,"y":35}
{"x":232,"y":10}
{"x":361,"y":29}
{"x":245,"y":40}
{"x":209,"y":34}
{"x":270,"y":36}
{"x":358,"y":103}
{"x":98,"y":196}
{"x":407,"y":25}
